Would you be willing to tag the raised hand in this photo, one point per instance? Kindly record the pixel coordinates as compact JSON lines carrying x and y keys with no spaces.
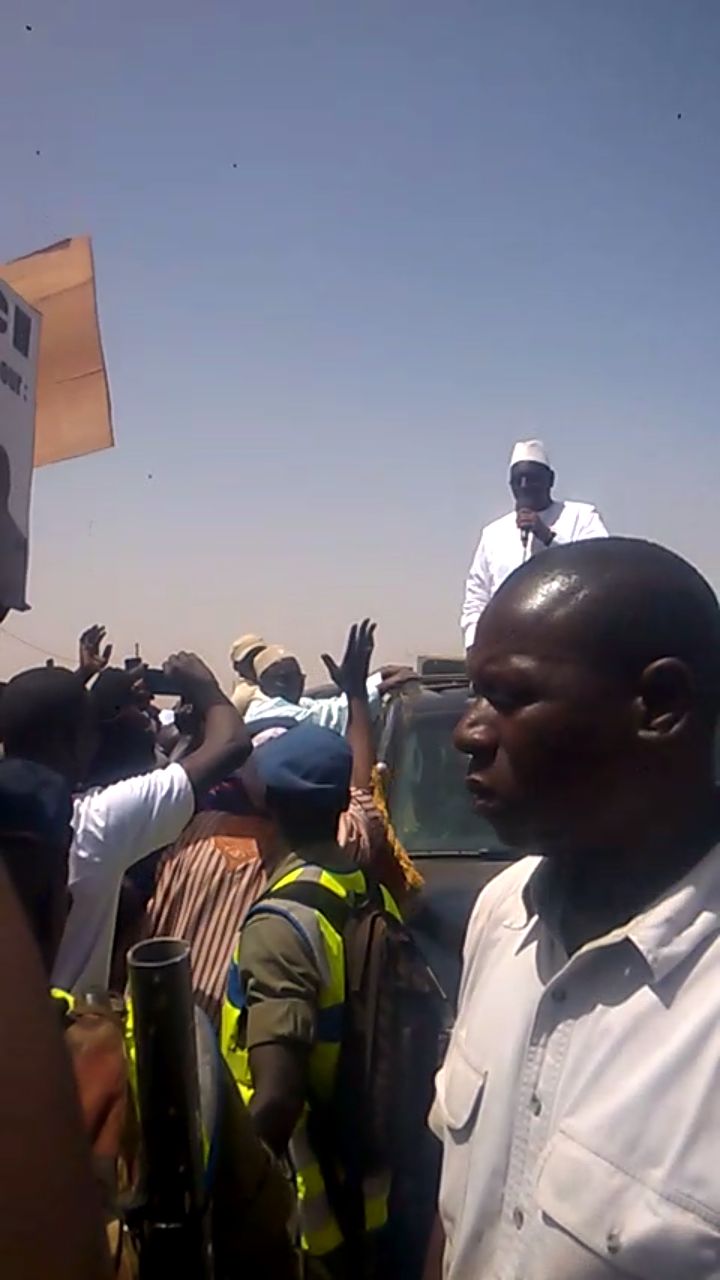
{"x":351,"y":674}
{"x":93,"y":659}
{"x":193,"y":680}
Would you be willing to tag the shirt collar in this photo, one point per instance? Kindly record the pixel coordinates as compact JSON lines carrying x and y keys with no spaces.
{"x":665,"y":933}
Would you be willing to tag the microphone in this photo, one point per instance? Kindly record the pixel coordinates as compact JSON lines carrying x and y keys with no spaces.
{"x":525,"y":535}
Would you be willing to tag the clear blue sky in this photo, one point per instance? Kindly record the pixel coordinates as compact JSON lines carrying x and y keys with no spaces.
{"x":451,"y":224}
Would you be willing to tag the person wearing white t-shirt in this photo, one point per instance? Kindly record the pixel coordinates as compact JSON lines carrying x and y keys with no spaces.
{"x":47,"y":716}
{"x":537,"y":521}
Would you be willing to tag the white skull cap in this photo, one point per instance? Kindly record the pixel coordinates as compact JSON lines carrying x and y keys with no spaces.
{"x":530,"y":451}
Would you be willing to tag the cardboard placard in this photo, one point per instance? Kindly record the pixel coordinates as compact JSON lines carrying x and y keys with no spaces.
{"x":73,"y":398}
{"x":19,"y":344}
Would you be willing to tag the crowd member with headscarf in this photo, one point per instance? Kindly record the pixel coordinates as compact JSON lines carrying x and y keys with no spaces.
{"x":242,"y":657}
{"x":282,"y":682}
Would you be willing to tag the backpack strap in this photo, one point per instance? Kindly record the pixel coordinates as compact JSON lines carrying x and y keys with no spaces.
{"x":345,"y":1191}
{"x":308,"y":893}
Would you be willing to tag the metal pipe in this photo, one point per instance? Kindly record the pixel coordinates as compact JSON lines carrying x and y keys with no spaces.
{"x":174,"y":1231}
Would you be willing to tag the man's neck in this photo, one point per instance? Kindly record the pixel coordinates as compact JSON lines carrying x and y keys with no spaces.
{"x":325,"y":853}
{"x":604,"y":891}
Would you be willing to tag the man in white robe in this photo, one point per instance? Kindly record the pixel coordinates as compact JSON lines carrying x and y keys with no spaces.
{"x":537,"y":521}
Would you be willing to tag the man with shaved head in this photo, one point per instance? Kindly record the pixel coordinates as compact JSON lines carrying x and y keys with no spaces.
{"x":579,"y":1103}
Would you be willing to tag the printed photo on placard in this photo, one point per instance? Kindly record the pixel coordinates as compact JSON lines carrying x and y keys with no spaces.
{"x":19,"y":334}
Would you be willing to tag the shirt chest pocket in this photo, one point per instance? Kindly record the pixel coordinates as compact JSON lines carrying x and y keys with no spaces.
{"x":633,"y":1227}
{"x":460,"y":1089}
{"x":458,"y":1101}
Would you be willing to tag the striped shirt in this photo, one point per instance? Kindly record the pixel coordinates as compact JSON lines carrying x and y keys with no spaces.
{"x":206,"y":884}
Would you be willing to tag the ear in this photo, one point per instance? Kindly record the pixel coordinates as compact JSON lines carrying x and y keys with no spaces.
{"x":551,"y":483}
{"x":665,"y":699}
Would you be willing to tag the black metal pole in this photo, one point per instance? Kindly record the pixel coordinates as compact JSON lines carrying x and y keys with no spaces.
{"x":174,"y":1235}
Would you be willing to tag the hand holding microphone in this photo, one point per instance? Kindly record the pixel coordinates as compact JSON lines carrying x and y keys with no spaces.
{"x":529,"y":522}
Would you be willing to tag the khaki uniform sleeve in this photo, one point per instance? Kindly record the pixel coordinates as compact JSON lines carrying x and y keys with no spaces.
{"x":282,"y":983}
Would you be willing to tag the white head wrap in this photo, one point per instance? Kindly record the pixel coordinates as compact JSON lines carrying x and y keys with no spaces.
{"x":530,"y":451}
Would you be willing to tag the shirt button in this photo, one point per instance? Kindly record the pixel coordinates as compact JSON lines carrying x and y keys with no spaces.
{"x":518,"y":1218}
{"x":559,"y":995}
{"x":535,"y":1105}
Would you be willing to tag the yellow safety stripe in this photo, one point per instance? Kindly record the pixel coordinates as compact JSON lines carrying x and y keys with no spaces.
{"x":320,"y":1232}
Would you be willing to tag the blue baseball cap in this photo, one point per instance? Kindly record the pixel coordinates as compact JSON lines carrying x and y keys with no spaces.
{"x":307,"y":769}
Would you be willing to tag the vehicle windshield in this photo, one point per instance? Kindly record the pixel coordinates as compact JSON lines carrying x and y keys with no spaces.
{"x":429,"y":803}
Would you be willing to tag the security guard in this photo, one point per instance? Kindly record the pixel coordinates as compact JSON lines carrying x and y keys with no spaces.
{"x":282,"y":1019}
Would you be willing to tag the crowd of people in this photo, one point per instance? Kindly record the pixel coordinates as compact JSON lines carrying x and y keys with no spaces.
{"x":575,"y":1103}
{"x":120,"y":822}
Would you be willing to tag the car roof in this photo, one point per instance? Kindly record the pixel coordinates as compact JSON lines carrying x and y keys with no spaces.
{"x":435,"y":696}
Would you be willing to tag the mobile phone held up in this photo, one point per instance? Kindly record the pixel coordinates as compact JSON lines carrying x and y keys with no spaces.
{"x":158,"y":684}
{"x":154,"y":679}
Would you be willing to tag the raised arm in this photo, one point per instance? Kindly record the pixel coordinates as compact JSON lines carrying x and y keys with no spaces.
{"x":92,"y":656}
{"x":351,"y":678}
{"x":225,"y":743}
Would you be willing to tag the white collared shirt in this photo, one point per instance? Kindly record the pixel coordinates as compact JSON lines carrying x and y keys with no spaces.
{"x":579,"y":1102}
{"x":501,"y":550}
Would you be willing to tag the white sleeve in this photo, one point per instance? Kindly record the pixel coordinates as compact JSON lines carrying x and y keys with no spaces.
{"x":589,"y":525}
{"x":125,"y":822}
{"x":373,"y":692}
{"x":592,"y":527}
{"x":477,"y":594}
{"x":330,"y":713}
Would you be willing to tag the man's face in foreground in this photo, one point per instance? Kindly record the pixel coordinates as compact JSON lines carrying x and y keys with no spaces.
{"x":551,"y":740}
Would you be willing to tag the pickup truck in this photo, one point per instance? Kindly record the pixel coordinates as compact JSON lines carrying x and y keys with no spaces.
{"x":456,"y":851}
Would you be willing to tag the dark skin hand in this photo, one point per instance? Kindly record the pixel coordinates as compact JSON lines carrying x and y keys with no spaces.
{"x":351,"y":677}
{"x":279,"y":1073}
{"x":434,"y":1257}
{"x":225,"y":743}
{"x":533,"y":523}
{"x":93,"y":657}
{"x":351,"y":674}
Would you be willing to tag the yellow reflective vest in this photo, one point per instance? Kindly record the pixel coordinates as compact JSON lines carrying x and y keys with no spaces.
{"x":320,"y":1231}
